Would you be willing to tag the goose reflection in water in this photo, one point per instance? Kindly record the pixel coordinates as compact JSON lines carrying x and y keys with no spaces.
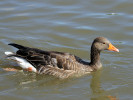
{"x":97,"y":92}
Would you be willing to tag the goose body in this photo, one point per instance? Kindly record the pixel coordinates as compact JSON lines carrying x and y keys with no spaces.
{"x":59,"y":64}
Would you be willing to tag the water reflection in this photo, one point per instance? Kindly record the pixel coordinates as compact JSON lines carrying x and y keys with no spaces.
{"x":32,"y":80}
{"x":97,"y":92}
{"x":66,"y":87}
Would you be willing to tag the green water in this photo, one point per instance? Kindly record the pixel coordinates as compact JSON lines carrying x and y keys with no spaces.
{"x":68,"y":26}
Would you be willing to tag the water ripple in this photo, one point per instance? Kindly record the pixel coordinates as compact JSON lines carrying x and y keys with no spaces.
{"x":69,"y":26}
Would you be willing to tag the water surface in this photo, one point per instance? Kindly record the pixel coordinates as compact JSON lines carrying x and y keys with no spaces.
{"x":68,"y":26}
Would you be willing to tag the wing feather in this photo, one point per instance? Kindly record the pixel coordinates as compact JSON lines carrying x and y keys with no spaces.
{"x":59,"y":62}
{"x":60,"y":73}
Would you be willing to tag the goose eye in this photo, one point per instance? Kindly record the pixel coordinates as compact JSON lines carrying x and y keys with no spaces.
{"x":104,"y":43}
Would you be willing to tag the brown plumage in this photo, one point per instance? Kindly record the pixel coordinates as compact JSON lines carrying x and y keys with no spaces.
{"x":64,"y":65}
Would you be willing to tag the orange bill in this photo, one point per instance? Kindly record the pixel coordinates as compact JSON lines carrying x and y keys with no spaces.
{"x":112,"y":48}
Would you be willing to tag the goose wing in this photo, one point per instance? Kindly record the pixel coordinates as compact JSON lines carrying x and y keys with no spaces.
{"x":39,"y":58}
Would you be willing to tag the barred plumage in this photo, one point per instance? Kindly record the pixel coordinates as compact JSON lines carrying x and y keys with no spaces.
{"x":63,"y":65}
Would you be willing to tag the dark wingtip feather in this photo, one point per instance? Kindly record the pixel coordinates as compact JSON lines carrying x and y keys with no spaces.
{"x":17,"y":46}
{"x":11,"y":43}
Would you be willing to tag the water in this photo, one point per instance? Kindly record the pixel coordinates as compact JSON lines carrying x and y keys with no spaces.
{"x":68,"y":26}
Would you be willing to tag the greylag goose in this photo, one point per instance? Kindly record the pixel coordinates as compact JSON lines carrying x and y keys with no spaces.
{"x":59,"y":64}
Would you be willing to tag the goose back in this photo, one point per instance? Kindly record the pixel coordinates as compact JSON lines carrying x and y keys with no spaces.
{"x":48,"y":62}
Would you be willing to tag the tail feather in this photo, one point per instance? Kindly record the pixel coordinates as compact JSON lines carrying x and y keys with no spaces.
{"x":8,"y":53}
{"x":17,"y":46}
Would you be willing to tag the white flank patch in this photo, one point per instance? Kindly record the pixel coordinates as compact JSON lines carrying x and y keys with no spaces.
{"x":23,"y":63}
